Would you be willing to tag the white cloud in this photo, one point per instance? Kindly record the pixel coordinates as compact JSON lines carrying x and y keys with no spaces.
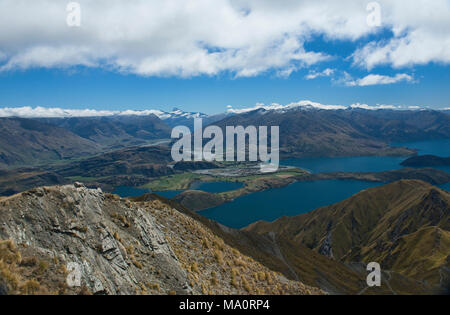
{"x":176,"y":37}
{"x":377,"y":79}
{"x":203,"y":37}
{"x":325,"y":73}
{"x":421,"y":35}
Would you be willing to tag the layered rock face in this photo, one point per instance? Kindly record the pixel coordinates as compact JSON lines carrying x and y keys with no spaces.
{"x":98,"y":234}
{"x":107,"y":245}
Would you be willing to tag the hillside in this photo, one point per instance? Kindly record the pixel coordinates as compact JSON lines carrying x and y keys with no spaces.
{"x":426,"y":161}
{"x":310,"y":132}
{"x":18,"y":180}
{"x":429,"y":175}
{"x":132,"y":166}
{"x":115,"y":131}
{"x":198,"y":200}
{"x":316,"y":133}
{"x":25,"y":142}
{"x":400,"y":125}
{"x":299,"y":263}
{"x":404,"y":226}
{"x":121,"y":247}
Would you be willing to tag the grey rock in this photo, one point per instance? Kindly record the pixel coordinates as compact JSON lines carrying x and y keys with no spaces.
{"x":86,"y":237}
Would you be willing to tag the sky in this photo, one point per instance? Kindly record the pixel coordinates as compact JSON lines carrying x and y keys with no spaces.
{"x":213,"y":56}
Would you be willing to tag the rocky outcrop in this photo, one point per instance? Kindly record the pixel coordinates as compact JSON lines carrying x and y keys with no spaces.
{"x":115,"y":245}
{"x":326,"y":247}
{"x":74,"y":240}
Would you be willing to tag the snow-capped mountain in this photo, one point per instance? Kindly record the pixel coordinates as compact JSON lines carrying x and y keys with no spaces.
{"x":178,"y":113}
{"x":55,"y":112}
{"x":310,"y":105}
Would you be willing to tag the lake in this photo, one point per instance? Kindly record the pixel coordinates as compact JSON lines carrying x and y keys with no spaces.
{"x":127,"y":191}
{"x":303,"y":197}
{"x":300,"y":197}
{"x":446,"y":187}
{"x":371,"y":163}
{"x":297,"y":198}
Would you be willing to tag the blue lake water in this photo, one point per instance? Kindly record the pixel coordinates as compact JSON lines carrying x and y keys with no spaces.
{"x":303,"y":197}
{"x":297,"y":198}
{"x":446,"y":187}
{"x":126,"y":191}
{"x":371,"y":163}
{"x":434,"y":147}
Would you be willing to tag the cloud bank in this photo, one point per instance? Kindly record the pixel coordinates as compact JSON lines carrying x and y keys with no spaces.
{"x":314,"y":74}
{"x":185,"y":38}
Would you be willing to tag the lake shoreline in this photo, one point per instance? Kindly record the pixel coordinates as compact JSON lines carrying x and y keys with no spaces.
{"x":210,"y":200}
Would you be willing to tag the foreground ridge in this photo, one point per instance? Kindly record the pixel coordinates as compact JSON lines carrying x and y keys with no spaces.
{"x":120,"y":247}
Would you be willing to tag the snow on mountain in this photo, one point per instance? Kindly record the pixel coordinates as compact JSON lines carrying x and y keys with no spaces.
{"x":275,"y":106}
{"x":176,"y":113}
{"x":307,"y":105}
{"x":55,"y":112}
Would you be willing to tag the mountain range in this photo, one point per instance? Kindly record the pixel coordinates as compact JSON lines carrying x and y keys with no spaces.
{"x":304,"y":132}
{"x":151,"y":244}
{"x":311,"y":132}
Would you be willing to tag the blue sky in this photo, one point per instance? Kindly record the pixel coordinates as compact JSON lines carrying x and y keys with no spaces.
{"x":203,"y":58}
{"x":97,"y":89}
